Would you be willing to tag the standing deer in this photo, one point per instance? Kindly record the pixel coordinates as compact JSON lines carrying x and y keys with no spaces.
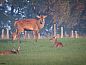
{"x":29,"y":24}
{"x":57,"y":44}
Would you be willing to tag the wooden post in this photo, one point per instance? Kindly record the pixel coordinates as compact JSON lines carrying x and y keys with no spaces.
{"x":39,"y":37}
{"x":25,"y":35}
{"x":54,"y":25}
{"x":76,"y":35}
{"x":28,"y":36}
{"x":66,"y":35}
{"x":7,"y":33}
{"x":72,"y":34}
{"x":2,"y":35}
{"x":61,"y":32}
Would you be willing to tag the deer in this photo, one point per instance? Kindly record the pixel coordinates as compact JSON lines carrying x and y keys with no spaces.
{"x":31,"y":24}
{"x":56,"y":43}
{"x":7,"y":52}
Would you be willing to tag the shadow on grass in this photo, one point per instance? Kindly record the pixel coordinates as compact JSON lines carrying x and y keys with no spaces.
{"x":2,"y":63}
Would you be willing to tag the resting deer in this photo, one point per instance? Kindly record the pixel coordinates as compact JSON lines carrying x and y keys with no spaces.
{"x":7,"y":52}
{"x":57,"y":44}
{"x":29,"y":24}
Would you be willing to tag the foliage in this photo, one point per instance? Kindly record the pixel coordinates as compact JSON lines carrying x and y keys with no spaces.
{"x":69,"y":13}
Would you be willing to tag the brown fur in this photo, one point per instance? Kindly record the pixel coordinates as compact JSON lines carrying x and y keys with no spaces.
{"x":57,"y":44}
{"x":29,"y":24}
{"x":7,"y":52}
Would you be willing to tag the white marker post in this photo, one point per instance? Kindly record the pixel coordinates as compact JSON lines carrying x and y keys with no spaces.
{"x":61,"y":32}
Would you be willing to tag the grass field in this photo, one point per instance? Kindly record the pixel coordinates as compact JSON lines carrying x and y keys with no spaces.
{"x":44,"y":53}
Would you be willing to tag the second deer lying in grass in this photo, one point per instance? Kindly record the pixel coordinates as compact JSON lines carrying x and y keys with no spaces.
{"x":57,"y":44}
{"x":7,"y":52}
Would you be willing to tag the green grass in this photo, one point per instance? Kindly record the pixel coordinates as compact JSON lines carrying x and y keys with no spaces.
{"x":44,"y":53}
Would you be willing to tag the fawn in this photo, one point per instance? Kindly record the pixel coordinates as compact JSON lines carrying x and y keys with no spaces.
{"x":57,"y":44}
{"x":7,"y":52}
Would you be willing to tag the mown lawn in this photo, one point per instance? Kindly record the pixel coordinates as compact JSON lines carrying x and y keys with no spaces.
{"x":44,"y":53}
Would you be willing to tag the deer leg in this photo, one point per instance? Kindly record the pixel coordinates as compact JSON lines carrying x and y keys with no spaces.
{"x":19,"y":41}
{"x":19,"y":30}
{"x":36,"y":35}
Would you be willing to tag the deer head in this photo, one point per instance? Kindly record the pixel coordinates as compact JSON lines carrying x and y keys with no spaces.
{"x":54,"y":39}
{"x":41,"y":21}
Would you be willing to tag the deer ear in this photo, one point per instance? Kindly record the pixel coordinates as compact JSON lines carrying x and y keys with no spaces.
{"x":44,"y":16}
{"x":38,"y":16}
{"x":55,"y":37}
